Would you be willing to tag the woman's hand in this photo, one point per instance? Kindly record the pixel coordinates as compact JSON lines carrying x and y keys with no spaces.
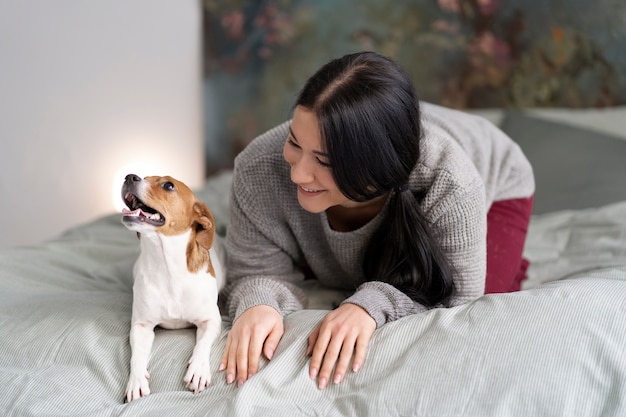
{"x":343,"y":332}
{"x":257,"y":330}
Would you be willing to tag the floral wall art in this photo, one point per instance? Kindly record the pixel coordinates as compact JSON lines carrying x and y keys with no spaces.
{"x":459,"y":53}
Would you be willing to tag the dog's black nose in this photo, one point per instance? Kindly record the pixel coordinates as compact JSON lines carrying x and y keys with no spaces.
{"x":130,"y":178}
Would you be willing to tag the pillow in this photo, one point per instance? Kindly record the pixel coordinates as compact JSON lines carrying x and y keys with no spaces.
{"x":574,"y":168}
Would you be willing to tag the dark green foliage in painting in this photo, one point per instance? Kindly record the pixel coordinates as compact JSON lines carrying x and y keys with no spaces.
{"x":460,"y":53}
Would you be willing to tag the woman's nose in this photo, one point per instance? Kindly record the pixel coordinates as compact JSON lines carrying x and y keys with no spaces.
{"x":302,"y":171}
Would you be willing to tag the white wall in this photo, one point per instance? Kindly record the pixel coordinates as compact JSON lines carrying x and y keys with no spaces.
{"x":89,"y":91}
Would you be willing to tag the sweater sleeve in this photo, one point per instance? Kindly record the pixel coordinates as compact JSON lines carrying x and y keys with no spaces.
{"x":384,"y":302}
{"x":260,"y":271}
{"x":461,"y":229}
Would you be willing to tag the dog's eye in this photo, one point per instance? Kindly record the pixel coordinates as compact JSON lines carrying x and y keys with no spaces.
{"x":168,"y":186}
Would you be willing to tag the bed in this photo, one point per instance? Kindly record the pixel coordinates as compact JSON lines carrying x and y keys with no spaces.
{"x":556,"y":348}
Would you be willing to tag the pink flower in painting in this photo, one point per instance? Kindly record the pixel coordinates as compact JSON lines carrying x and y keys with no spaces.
{"x":445,"y":26}
{"x":488,"y":7}
{"x":449,"y":5}
{"x":282,"y":28}
{"x":265,"y":53}
{"x":487,"y":49}
{"x":233,"y":23}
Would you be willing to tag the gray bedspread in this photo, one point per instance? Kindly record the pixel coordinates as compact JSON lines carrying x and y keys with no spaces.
{"x":555,"y":349}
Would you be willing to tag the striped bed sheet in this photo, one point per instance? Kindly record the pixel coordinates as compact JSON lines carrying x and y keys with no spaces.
{"x":554,"y":349}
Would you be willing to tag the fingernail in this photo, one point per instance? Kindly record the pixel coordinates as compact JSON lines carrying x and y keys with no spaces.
{"x":356,"y":367}
{"x":222,"y":366}
{"x":230,"y":378}
{"x":337,"y":379}
{"x":313,"y":373}
{"x":322,"y":383}
{"x":239,"y":383}
{"x":270,"y":354}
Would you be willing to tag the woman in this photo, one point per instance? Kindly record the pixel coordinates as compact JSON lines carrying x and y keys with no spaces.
{"x":368,"y":191}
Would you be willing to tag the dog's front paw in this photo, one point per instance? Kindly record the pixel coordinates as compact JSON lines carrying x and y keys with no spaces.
{"x":137,"y":386}
{"x":198,"y":376}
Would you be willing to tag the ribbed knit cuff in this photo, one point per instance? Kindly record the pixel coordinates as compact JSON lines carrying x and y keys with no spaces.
{"x":383,"y":302}
{"x":284,"y":297}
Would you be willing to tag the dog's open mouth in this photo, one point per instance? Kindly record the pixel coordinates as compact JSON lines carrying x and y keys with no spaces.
{"x":138,"y":211}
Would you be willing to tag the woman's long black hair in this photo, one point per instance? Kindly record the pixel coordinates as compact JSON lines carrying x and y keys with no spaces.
{"x":369,"y":119}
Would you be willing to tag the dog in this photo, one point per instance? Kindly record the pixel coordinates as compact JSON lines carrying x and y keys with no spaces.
{"x":177,"y":276}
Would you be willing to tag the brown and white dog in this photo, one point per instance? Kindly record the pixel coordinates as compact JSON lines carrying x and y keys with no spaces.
{"x":177,"y":276}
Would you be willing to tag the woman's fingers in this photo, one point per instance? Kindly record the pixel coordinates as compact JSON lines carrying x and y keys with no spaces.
{"x":231,"y":362}
{"x":340,"y":346}
{"x":359,"y":353}
{"x":242,"y":357}
{"x":271,"y":343}
{"x":344,"y":333}
{"x":257,"y":330}
{"x":255,"y":347}
{"x":312,"y":341}
{"x":318,"y":350}
{"x":345,"y":356}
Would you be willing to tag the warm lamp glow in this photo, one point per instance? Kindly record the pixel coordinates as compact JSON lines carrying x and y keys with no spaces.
{"x":184,"y":161}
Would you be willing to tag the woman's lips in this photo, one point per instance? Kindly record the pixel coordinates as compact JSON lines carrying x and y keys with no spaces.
{"x":308,"y":191}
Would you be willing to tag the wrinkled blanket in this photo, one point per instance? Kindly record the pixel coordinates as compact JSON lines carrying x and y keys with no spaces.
{"x":553,"y":349}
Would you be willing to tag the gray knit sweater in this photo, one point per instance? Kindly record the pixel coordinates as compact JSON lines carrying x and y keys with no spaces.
{"x":465,"y":165}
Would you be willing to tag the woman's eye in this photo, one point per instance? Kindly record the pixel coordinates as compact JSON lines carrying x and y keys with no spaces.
{"x":168,"y":186}
{"x":292,"y":143}
{"x":322,"y":163}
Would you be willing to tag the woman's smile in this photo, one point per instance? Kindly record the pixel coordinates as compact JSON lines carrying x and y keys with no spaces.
{"x":309,"y":192}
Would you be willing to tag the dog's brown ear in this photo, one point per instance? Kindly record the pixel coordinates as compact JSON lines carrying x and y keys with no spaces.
{"x":198,"y":249}
{"x":203,"y":225}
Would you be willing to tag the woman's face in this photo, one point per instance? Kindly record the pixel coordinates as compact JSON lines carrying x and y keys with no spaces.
{"x":310,"y":168}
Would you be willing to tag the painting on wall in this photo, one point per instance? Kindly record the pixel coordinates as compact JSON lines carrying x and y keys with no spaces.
{"x":459,"y":53}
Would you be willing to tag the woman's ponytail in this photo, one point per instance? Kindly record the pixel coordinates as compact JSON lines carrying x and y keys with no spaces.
{"x":404,"y":253}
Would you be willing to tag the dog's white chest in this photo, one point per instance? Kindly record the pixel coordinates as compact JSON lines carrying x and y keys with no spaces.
{"x":175,"y":306}
{"x":165,"y":293}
